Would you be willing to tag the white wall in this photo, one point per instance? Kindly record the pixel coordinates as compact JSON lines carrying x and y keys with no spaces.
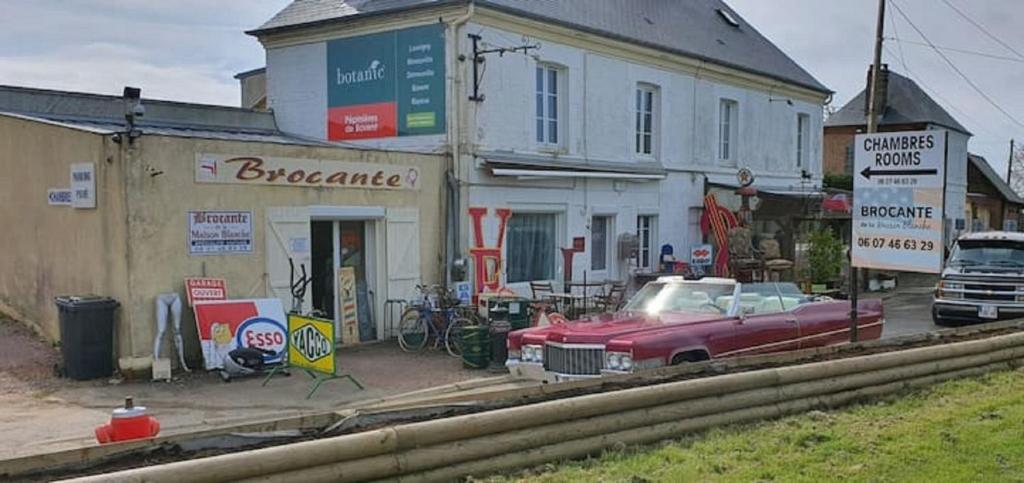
{"x":599,"y":124}
{"x":297,"y":88}
{"x":956,"y":180}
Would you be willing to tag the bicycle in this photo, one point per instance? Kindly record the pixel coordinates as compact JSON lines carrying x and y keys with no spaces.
{"x":436,"y":315}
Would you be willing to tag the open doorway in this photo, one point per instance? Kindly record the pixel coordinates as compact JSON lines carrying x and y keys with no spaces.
{"x":323,"y":267}
{"x":352,"y":248}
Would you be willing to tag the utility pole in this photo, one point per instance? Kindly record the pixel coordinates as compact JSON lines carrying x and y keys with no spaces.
{"x":1009,"y":167}
{"x":876,"y":68}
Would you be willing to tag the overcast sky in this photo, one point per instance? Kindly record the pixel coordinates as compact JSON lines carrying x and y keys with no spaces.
{"x":190,"y":49}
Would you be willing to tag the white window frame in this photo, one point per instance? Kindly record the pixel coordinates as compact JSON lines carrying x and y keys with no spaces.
{"x":645,"y":121}
{"x":728,"y":131}
{"x":609,"y":223}
{"x":649,"y":262}
{"x":550,"y":95}
{"x":803,"y":141}
{"x":545,"y":209}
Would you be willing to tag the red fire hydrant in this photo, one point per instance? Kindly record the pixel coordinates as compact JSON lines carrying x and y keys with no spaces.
{"x":127,"y":423}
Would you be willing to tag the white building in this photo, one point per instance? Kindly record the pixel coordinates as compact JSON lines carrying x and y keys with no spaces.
{"x":617,"y":119}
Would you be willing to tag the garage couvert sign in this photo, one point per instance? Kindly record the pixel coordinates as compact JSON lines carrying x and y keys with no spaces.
{"x":386,"y":84}
{"x":301,"y":172}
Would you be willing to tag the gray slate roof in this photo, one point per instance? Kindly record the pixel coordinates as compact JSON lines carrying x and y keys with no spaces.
{"x":986,"y":169}
{"x":104,"y":113}
{"x":692,"y":27}
{"x":906,"y":103}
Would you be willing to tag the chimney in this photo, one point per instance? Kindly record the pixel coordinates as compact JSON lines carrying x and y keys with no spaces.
{"x":883,"y":91}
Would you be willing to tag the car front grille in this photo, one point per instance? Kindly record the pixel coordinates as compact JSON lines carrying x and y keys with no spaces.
{"x":577,"y":361}
{"x":990,"y":292}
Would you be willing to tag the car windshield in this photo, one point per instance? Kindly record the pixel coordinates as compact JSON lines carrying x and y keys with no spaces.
{"x":992,"y":253}
{"x":770,"y":297}
{"x":693,"y":297}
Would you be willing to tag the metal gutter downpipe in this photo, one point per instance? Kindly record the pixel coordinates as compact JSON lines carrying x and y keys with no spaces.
{"x":453,"y":199}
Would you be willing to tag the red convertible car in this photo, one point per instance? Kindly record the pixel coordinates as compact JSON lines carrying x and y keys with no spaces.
{"x":672,"y":321}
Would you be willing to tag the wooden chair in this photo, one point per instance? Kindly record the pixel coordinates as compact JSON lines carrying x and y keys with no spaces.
{"x":745,"y":262}
{"x":774,"y":264}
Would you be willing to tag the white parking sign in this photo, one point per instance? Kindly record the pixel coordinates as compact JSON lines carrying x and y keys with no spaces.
{"x":898,"y":198}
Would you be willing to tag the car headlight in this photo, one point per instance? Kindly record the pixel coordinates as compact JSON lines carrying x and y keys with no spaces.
{"x":614,"y":361}
{"x":951,"y":290}
{"x":533,"y":353}
{"x":618,"y":361}
{"x":626,"y":362}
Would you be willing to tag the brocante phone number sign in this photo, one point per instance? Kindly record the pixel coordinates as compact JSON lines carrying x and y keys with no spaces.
{"x":899,"y":185}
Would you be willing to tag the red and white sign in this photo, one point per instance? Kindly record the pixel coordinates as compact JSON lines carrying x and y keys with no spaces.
{"x":701,"y":254}
{"x":203,"y":289}
{"x":225,"y":325}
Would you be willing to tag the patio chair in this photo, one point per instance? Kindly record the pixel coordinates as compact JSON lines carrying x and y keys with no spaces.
{"x":774,"y":264}
{"x":613,"y":299}
{"x":745,"y":262}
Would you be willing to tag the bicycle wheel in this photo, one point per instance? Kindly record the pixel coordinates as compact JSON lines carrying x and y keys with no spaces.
{"x":453,"y":336}
{"x":412,"y":331}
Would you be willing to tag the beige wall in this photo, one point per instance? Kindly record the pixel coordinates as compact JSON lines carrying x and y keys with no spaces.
{"x":158,"y":207}
{"x":46,"y":251}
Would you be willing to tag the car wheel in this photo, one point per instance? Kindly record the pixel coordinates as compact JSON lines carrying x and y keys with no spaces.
{"x":692,"y":356}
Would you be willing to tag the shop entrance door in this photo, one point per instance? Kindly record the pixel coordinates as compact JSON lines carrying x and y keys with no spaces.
{"x":380,"y":245}
{"x":344,"y":276}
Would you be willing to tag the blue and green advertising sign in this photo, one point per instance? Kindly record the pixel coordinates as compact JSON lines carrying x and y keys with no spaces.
{"x":386,"y":84}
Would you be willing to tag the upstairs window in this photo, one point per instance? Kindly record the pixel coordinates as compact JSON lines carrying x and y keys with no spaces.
{"x":727,"y":131}
{"x":803,"y":135}
{"x":646,"y":112}
{"x":547,"y":105}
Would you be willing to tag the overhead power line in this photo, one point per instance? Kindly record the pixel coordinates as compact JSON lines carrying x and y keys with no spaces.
{"x":983,"y":29}
{"x":954,"y":67}
{"x":962,"y":51}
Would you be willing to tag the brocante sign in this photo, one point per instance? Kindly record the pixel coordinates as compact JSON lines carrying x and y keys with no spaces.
{"x":259,"y":170}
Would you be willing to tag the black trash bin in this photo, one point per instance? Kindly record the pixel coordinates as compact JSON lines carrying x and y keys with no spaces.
{"x":499,"y":342}
{"x":87,"y":336}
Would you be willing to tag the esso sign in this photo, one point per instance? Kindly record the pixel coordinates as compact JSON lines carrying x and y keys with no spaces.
{"x":263,"y":333}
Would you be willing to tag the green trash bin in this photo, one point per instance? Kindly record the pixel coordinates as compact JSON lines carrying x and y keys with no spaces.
{"x":514,"y":310}
{"x":476,"y":346}
{"x":87,"y":336}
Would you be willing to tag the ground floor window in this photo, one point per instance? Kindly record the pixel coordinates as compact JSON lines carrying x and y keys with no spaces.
{"x":599,"y":227}
{"x":646,"y":232}
{"x":532,"y":247}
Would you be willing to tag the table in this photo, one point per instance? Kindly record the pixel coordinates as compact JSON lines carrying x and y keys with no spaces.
{"x":569,"y":304}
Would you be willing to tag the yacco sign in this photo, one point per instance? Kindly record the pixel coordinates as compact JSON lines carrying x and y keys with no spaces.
{"x":898,"y":197}
{"x":311,"y":343}
{"x":257,"y":170}
{"x":386,"y":84}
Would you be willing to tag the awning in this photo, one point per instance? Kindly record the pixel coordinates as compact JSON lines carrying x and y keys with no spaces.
{"x":538,"y":173}
{"x":791,"y":192}
{"x":530,"y":166}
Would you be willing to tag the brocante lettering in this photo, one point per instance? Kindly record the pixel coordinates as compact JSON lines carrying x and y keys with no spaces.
{"x":252,"y":169}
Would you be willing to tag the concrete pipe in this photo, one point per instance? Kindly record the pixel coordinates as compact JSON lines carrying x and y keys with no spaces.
{"x":492,"y":445}
{"x":644,"y":435}
{"x":373,"y":443}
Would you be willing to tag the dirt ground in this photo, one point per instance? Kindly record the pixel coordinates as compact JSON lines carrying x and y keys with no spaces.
{"x":44,"y":413}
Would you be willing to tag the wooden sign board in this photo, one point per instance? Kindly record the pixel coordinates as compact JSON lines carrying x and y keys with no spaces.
{"x":349,"y":303}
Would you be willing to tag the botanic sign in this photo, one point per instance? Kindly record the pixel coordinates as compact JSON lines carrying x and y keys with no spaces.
{"x":386,"y":84}
{"x":898,"y":198}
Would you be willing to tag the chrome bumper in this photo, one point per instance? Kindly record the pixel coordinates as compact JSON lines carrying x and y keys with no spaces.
{"x":535,"y":371}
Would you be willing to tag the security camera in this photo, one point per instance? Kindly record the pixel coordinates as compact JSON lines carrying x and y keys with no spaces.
{"x":138,"y":110}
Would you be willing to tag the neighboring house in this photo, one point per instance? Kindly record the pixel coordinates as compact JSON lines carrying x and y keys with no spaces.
{"x":904,"y":107}
{"x":253,"y":84}
{"x":125,"y":197}
{"x":991,"y":203}
{"x":618,"y":119}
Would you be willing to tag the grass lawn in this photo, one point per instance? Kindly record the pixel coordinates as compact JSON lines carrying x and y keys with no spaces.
{"x":963,"y":430}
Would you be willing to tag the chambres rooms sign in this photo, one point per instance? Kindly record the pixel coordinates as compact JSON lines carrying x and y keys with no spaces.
{"x":300,"y":172}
